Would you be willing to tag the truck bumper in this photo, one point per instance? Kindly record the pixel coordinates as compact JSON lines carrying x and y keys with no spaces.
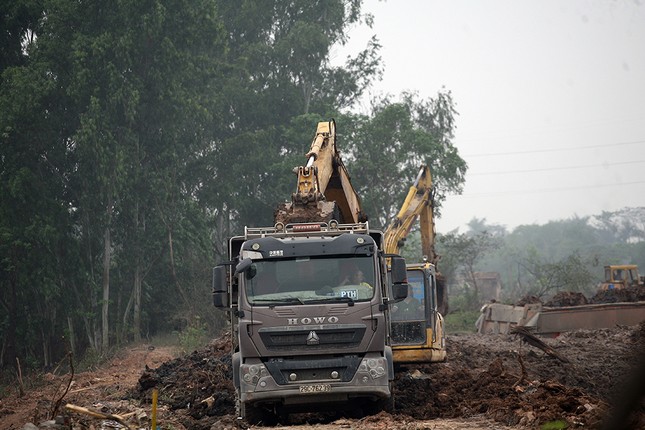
{"x":292,"y":396}
{"x":370,"y":382}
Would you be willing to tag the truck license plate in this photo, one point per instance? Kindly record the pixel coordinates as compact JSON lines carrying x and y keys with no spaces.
{"x":316,"y":388}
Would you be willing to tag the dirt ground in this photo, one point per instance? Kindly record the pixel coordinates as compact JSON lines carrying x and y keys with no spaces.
{"x":488,"y":382}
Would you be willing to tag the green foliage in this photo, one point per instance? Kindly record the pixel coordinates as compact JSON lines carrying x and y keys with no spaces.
{"x":464,"y":298}
{"x":386,"y":149}
{"x":555,"y":425}
{"x":461,"y":321}
{"x":460,"y":254}
{"x":570,"y":274}
{"x":541,"y":260}
{"x":193,"y":337}
{"x":90,"y":360}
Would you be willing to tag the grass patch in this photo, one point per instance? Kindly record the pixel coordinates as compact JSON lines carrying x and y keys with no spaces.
{"x":461,"y":322}
{"x":194,"y":336}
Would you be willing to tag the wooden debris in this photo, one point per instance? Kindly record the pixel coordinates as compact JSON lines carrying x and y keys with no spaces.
{"x":97,"y":414}
{"x":58,"y":402}
{"x":533,"y":340}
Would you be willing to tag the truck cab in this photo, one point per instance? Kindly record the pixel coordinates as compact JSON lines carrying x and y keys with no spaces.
{"x":308,"y":305}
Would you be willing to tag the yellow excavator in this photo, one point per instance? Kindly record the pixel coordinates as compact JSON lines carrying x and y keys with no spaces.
{"x":417,"y":323}
{"x":309,"y":300}
{"x":324,"y":191}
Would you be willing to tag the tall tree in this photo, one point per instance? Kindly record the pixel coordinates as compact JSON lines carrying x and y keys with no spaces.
{"x":461,"y":253}
{"x":125,"y":96}
{"x":279,"y":84}
{"x":386,"y":149}
{"x":570,"y":274}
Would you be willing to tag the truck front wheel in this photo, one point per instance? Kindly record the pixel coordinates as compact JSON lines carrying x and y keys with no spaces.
{"x":375,"y":406}
{"x":255,"y":415}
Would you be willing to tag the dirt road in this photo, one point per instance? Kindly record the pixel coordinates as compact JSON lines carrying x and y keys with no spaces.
{"x":488,"y":382}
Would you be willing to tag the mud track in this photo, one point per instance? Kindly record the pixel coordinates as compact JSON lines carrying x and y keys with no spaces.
{"x":488,"y":382}
{"x":492,"y":377}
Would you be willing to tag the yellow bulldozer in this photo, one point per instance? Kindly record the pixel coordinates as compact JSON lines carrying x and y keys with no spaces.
{"x":621,"y":276}
{"x":551,"y":321}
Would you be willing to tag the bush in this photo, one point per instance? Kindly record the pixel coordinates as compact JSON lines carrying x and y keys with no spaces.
{"x":194,"y":336}
{"x":461,"y":322}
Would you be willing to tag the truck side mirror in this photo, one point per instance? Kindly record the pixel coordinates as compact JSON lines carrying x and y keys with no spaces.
{"x":220,"y":290}
{"x":399,"y":276}
{"x":399,"y":292}
{"x":398,"y":270}
{"x":243,"y":265}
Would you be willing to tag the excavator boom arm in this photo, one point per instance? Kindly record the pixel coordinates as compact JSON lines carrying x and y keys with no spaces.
{"x":324,"y":190}
{"x":417,"y":205}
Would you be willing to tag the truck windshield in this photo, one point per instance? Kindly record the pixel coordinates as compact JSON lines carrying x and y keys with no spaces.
{"x":302,"y":280}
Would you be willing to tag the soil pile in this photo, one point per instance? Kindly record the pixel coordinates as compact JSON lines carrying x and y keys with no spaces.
{"x":323,"y":211}
{"x":488,"y":382}
{"x":571,"y":298}
{"x":567,"y":298}
{"x":629,"y":294}
{"x":516,"y":384}
{"x":494,"y":376}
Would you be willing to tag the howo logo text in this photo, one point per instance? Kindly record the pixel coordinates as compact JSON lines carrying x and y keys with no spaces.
{"x":312,"y":320}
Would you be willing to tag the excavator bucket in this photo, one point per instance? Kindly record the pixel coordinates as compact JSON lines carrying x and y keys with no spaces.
{"x":322,"y":211}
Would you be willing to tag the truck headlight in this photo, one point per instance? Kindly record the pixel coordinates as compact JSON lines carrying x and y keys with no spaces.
{"x":375,"y":367}
{"x":251,"y":373}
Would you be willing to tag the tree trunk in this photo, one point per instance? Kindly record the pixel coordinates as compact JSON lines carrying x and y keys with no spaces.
{"x":126,"y":314}
{"x":72,"y":336}
{"x":180,"y":290}
{"x":11,"y":351}
{"x":138,"y":278}
{"x":87,"y":321}
{"x":136,"y":323}
{"x":89,"y":311}
{"x":46,"y":351}
{"x":105,"y":328}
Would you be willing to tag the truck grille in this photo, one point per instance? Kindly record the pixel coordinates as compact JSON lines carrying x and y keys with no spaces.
{"x":313,"y":369}
{"x":312,"y":339}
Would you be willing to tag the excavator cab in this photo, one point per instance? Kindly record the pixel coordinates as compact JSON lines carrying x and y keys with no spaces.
{"x":408,"y":315}
{"x":417,"y":331}
{"x":417,"y":322}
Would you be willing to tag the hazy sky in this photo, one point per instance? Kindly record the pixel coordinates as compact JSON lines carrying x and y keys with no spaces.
{"x":550,"y":95}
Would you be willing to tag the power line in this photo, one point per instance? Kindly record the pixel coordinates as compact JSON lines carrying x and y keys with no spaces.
{"x":548,"y":169}
{"x":509,"y":132}
{"x":548,"y":190}
{"x":535,"y":151}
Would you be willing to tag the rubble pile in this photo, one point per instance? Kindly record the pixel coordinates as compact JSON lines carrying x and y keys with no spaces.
{"x":496,"y":376}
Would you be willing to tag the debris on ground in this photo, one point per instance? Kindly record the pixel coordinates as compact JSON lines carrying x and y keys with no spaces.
{"x":490,"y":381}
{"x":525,"y":334}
